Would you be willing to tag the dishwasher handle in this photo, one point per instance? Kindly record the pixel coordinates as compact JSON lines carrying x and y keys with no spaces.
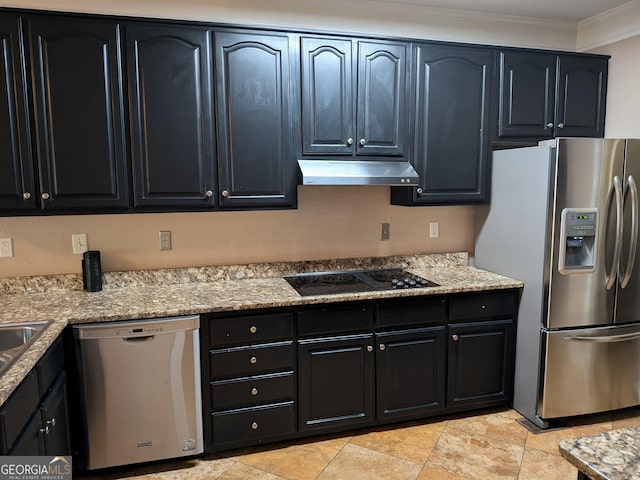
{"x":145,"y":338}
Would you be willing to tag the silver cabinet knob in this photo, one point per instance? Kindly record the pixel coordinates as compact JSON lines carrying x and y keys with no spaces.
{"x":254,"y":425}
{"x":419,"y":191}
{"x":52,"y":422}
{"x":208,"y":194}
{"x":253,"y":329}
{"x":369,"y":348}
{"x":483,"y":307}
{"x":45,"y":196}
{"x":26,"y":196}
{"x":225,"y":193}
{"x":455,"y":338}
{"x":383,"y":346}
{"x":363,"y":142}
{"x":561,"y":125}
{"x":254,"y":391}
{"x":550,"y":125}
{"x":45,"y":430}
{"x":349,"y":141}
{"x":253,"y":360}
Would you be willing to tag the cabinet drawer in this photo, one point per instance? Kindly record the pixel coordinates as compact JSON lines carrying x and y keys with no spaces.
{"x":244,"y":392}
{"x":412,"y":312}
{"x":334,"y":320}
{"x":253,"y":425}
{"x":50,"y":366}
{"x":483,"y":306}
{"x":17,"y":410}
{"x":250,"y":328}
{"x":250,"y":360}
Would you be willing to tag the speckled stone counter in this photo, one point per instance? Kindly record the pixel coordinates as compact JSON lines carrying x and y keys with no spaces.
{"x":60,"y":300}
{"x":613,"y":455}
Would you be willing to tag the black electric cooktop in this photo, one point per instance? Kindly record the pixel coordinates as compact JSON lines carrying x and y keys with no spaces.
{"x":352,"y":281}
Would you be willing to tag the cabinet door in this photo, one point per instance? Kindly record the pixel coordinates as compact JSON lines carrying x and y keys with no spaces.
{"x":55,"y":419}
{"x":173,"y":147}
{"x":582,"y":92}
{"x":382,"y":91}
{"x":16,"y":172}
{"x":410,"y":373}
{"x":527,"y":95}
{"x":452,"y":120}
{"x":335,"y":382}
{"x":79,"y":113}
{"x":327,"y":96}
{"x":256,"y":161}
{"x":480,"y":371}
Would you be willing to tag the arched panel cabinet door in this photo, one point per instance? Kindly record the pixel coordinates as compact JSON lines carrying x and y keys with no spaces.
{"x":452,"y":126}
{"x":16,"y":171}
{"x":171,"y":109}
{"x":254,"y":96}
{"x":79,"y":113}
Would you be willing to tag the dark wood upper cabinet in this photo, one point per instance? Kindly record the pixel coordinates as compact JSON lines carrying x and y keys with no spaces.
{"x":544,"y":95}
{"x":581,"y":97}
{"x":79,"y":112}
{"x":354,"y":97}
{"x":451,"y":126}
{"x":254,"y":96}
{"x":171,"y":109}
{"x":17,"y":188}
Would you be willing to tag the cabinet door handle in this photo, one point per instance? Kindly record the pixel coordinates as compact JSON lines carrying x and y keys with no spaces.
{"x":383,"y":346}
{"x":253,"y":329}
{"x":45,"y":430}
{"x":419,"y":191}
{"x":561,"y":125}
{"x":52,"y":422}
{"x":254,"y":391}
{"x":26,"y":196}
{"x":254,"y":425}
{"x":208,"y":193}
{"x":455,"y":338}
{"x":45,"y":196}
{"x":369,"y":348}
{"x":363,"y":142}
{"x":349,"y":141}
{"x":550,"y":125}
{"x":253,"y":360}
{"x":225,"y":193}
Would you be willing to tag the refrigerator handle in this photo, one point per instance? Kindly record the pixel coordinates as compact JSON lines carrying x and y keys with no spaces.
{"x":616,"y":190}
{"x":624,"y":337}
{"x":633,"y":244}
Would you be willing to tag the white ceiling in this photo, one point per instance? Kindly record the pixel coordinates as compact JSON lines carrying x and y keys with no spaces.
{"x":570,"y":10}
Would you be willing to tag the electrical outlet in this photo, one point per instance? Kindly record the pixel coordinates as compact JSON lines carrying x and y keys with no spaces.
{"x":434,"y":229}
{"x":385,"y":231}
{"x":79,"y":243}
{"x":165,"y":240}
{"x":6,"y":247}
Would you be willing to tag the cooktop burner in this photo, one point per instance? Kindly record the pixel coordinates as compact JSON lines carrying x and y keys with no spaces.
{"x":352,"y":281}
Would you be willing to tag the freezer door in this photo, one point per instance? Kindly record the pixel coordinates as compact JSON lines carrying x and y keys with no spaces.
{"x":590,"y":370}
{"x":586,"y":168}
{"x":628,"y":302}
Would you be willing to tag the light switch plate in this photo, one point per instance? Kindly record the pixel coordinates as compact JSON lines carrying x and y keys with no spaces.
{"x":385,"y":231}
{"x":79,"y":243}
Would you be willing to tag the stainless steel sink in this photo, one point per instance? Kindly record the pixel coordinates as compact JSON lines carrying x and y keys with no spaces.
{"x":15,"y":338}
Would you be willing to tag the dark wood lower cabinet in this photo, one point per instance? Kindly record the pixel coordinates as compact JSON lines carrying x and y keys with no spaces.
{"x":336,"y":382}
{"x":278,"y":375}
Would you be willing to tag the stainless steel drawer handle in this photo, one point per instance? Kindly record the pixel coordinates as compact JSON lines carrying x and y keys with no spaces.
{"x":455,"y":337}
{"x":254,"y":425}
{"x":253,"y":329}
{"x":254,"y":391}
{"x":253,"y":360}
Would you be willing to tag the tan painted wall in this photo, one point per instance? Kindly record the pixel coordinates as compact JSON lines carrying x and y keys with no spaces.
{"x":331,"y":222}
{"x":623,"y":93}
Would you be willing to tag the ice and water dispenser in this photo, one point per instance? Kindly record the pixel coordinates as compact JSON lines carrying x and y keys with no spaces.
{"x":578,"y":230}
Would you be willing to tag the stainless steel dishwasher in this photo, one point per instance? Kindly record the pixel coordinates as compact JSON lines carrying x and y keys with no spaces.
{"x":140,"y":383}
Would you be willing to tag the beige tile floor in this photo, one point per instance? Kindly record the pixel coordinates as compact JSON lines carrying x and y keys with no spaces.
{"x":485,"y":445}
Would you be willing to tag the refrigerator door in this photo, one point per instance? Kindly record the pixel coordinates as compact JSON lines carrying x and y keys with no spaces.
{"x":588,"y":371}
{"x":628,"y":302}
{"x":586,"y":169}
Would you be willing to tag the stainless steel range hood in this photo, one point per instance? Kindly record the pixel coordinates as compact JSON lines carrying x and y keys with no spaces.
{"x":344,"y":172}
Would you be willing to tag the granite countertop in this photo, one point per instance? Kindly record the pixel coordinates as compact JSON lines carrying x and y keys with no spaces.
{"x":60,"y":300}
{"x":613,"y":455}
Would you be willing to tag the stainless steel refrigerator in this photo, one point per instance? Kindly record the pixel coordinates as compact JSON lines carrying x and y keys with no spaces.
{"x":563,"y":218}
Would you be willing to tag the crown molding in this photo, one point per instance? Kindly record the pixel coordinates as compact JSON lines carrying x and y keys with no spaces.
{"x":609,"y":27}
